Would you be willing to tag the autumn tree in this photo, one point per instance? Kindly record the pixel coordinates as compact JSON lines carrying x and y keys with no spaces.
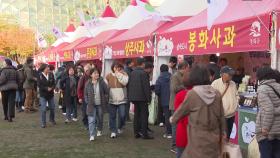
{"x":16,"y":41}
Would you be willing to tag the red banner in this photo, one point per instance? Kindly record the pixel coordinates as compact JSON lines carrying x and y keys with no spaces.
{"x":129,"y":49}
{"x":239,"y":36}
{"x":65,"y":56}
{"x":90,"y":53}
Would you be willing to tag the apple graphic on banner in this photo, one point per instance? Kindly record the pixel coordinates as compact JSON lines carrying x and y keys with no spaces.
{"x":165,"y":46}
{"x":233,"y":132}
{"x":108,"y":52}
{"x":77,"y":56}
{"x":248,"y":130}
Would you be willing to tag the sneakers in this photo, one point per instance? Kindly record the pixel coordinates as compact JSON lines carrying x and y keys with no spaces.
{"x":99,"y":134}
{"x":91,"y":138}
{"x":64,"y":114}
{"x":120,"y":131}
{"x":75,"y":119}
{"x":60,"y":107}
{"x":161,"y":124}
{"x":113,"y":135}
{"x":167,"y":136}
{"x":173,"y":149}
{"x":67,"y":121}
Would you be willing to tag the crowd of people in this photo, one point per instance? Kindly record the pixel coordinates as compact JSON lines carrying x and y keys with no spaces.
{"x":197,"y":103}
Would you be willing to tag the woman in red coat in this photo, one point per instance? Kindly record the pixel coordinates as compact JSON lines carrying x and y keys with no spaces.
{"x":181,"y":131}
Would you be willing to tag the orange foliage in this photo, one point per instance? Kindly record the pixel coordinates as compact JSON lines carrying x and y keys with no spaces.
{"x":16,"y":41}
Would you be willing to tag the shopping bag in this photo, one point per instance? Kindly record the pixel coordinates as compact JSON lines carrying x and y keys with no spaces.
{"x":253,"y":149}
{"x":131,"y":110}
{"x":231,"y":151}
{"x":153,"y":108}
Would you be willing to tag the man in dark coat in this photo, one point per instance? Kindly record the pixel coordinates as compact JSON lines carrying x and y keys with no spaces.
{"x":140,"y":94}
{"x":213,"y":66}
{"x":29,"y":85}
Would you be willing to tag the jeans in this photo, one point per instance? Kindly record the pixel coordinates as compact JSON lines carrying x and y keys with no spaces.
{"x":229,"y":122}
{"x":19,"y":96}
{"x":160,"y":117}
{"x":8,"y":102}
{"x":269,"y":148}
{"x":167,"y":114}
{"x":92,"y":123}
{"x":179,"y":152}
{"x":72,"y":108}
{"x":141,"y":113}
{"x":174,"y":127}
{"x":99,"y":117}
{"x":43,"y":103}
{"x":113,"y":117}
{"x":84,"y":114}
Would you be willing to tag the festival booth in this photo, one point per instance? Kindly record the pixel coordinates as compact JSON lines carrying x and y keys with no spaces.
{"x":178,"y":8}
{"x":240,"y":34}
{"x":52,"y":55}
{"x":66,"y":54}
{"x":92,"y":49}
{"x":128,"y":19}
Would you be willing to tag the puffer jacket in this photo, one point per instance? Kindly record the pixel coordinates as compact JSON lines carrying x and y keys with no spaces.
{"x":8,"y":79}
{"x":90,"y":98}
{"x":268,"y":116}
{"x":162,"y":88}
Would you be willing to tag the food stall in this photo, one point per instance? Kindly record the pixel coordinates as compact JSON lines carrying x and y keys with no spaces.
{"x":243,"y":34}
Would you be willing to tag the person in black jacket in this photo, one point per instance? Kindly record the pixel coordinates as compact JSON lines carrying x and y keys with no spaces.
{"x":69,"y":84}
{"x":8,"y":87}
{"x":213,"y":66}
{"x":46,"y":83}
{"x":162,"y":89}
{"x":20,"y":92}
{"x":140,"y":94}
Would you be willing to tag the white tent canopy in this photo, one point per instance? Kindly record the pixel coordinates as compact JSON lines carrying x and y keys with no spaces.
{"x":82,"y":31}
{"x":130,"y":17}
{"x":182,"y":7}
{"x":63,"y":39}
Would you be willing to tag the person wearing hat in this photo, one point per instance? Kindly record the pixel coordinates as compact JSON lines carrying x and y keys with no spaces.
{"x":230,"y":96}
{"x":46,"y":84}
{"x":29,"y":85}
{"x":8,"y":86}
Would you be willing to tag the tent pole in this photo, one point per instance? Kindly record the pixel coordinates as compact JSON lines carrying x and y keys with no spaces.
{"x":155,"y":72}
{"x":103,"y":62}
{"x":273,"y":49}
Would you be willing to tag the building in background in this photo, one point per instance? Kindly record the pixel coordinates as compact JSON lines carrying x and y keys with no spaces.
{"x":43,"y":15}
